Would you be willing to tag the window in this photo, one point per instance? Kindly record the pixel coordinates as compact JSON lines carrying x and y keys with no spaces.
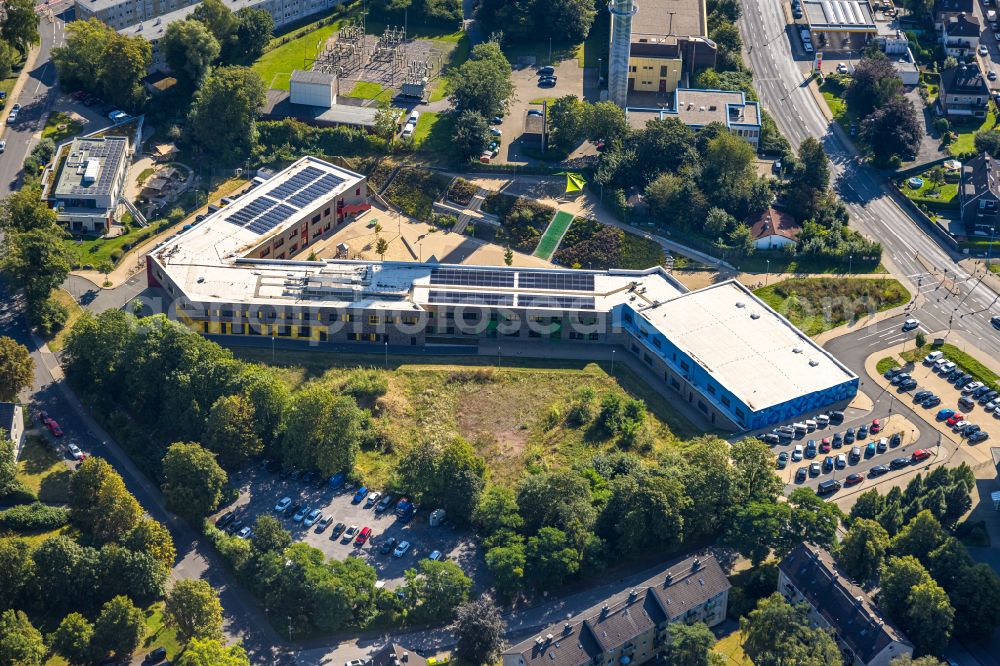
{"x":373,"y":319}
{"x":278,"y":243}
{"x":725,"y":400}
{"x":702,"y":407}
{"x":573,"y":335}
{"x":305,"y":331}
{"x":592,"y":336}
{"x":409,"y":319}
{"x":326,"y":212}
{"x":663,"y":70}
{"x":315,"y":218}
{"x":711,"y":389}
{"x":631,"y":69}
{"x":357,"y":192}
{"x":265,"y":252}
{"x":627,"y":316}
{"x":684,"y":366}
{"x":657,"y":343}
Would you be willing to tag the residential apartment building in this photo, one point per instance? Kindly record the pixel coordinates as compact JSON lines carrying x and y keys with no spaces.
{"x":630,"y":627}
{"x":946,"y":9}
{"x":12,"y":425}
{"x":960,"y":35}
{"x":245,"y":270}
{"x":810,"y":575}
{"x":979,"y":194}
{"x":697,"y":108}
{"x":964,"y":92}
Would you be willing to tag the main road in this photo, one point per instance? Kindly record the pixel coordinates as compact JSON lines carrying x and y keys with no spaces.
{"x":36,"y":96}
{"x":951,"y":299}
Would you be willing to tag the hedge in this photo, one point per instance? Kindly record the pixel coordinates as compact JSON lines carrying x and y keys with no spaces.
{"x":35,"y":517}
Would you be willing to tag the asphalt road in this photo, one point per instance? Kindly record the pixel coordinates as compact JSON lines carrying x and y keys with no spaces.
{"x":912,"y":252}
{"x":36,"y":98}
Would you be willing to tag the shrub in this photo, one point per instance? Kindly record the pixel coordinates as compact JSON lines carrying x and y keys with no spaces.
{"x":116,"y":255}
{"x":366,"y":384}
{"x":35,"y":517}
{"x":20,"y":494}
{"x":462,"y":191}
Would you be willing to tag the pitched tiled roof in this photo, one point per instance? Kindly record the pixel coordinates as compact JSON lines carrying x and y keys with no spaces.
{"x":773,"y":222}
{"x":394,"y":654}
{"x":847,"y":607}
{"x":964,"y":80}
{"x":980,"y":175}
{"x":963,"y":25}
{"x":670,"y":594}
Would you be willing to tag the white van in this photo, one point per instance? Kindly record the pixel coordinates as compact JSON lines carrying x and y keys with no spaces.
{"x":823,"y":420}
{"x":800,"y":428}
{"x":412,"y":120}
{"x":811,"y":424}
{"x":408,"y":130}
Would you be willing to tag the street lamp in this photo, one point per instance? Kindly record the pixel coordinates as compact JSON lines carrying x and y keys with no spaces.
{"x":768,"y":273}
{"x":386,"y":355}
{"x":612,"y":362}
{"x":272,"y":350}
{"x":850,"y":264}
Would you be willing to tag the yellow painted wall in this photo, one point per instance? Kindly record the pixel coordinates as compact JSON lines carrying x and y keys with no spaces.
{"x":648,"y":70}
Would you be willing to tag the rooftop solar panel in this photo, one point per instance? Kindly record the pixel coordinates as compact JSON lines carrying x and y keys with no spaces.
{"x":469,"y":298}
{"x":472,"y":277}
{"x":555,"y":301}
{"x":556,"y":281}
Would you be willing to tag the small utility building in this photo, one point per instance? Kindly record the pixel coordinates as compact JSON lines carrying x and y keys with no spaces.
{"x":313,"y":88}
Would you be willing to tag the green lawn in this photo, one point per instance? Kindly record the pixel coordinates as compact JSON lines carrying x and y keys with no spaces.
{"x":731,"y":649}
{"x":832,"y":91}
{"x":945,"y":196}
{"x":275,"y":66}
{"x":966,"y":141}
{"x":995,"y":268}
{"x":884,"y":364}
{"x":369,"y":90}
{"x":433,"y":134}
{"x":60,"y":126}
{"x":550,"y":239}
{"x":442,"y":85}
{"x":42,"y":470}
{"x":820,"y":304}
{"x":75,"y":311}
{"x":158,"y":635}
{"x":539,"y":100}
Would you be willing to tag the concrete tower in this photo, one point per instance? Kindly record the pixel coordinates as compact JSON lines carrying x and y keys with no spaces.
{"x":622,"y":12}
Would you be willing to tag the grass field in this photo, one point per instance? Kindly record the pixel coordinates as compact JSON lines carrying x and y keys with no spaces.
{"x":425,"y":126}
{"x":275,"y":66}
{"x":550,"y":239}
{"x":42,"y":470}
{"x":966,"y":141}
{"x":66,"y":300}
{"x":945,"y":196}
{"x":512,"y":416}
{"x":966,"y":362}
{"x":820,"y":304}
{"x":369,"y":90}
{"x":885,"y":364}
{"x":731,"y":648}
{"x":158,"y":635}
{"x":59,"y":126}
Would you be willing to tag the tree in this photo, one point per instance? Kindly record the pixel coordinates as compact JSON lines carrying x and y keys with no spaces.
{"x":718,"y":222}
{"x":152,"y":537}
{"x":899,"y":576}
{"x":381,"y":247}
{"x":193,"y":609}
{"x":908,"y":660}
{"x":508,"y":256}
{"x":100,"y":503}
{"x":17,"y":369}
{"x":728,"y":173}
{"x":212,"y":652}
{"x":7,"y":58}
{"x":78,"y":63}
{"x":124,"y":64}
{"x":929,"y":616}
{"x":21,"y":644}
{"x":988,"y":141}
{"x":645,"y":510}
{"x":976,"y":598}
{"x":606,"y":122}
{"x":223,"y":116}
{"x":254,"y":28}
{"x":919,"y":536}
{"x":471,"y":134}
{"x":688,"y":644}
{"x":874,"y":83}
{"x":568,"y":123}
{"x":755,"y":478}
{"x":550,"y":558}
{"x":479,"y":630}
{"x":190,"y":49}
{"x":386,"y":118}
{"x":25,"y":210}
{"x":72,"y":639}
{"x":436,"y":588}
{"x":893,"y":130}
{"x":813,"y":519}
{"x":322,"y":432}
{"x":270,"y":399}
{"x":863,"y":549}
{"x":231,"y":431}
{"x":776,"y":633}
{"x":193,"y":481}
{"x":16,"y":570}
{"x":269,"y":535}
{"x":8,"y":465}
{"x":676,"y":201}
{"x":37,"y":261}
{"x":450,"y":477}
{"x":507,"y":564}
{"x":568,"y":20}
{"x":20,"y":24}
{"x":119,"y":628}
{"x":555,"y":499}
{"x":758,"y":528}
{"x":483,"y":83}
{"x":218,"y":18}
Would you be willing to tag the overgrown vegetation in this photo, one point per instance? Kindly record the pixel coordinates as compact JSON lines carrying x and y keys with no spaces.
{"x":415,"y":190}
{"x":592,"y":245}
{"x":819,"y":304}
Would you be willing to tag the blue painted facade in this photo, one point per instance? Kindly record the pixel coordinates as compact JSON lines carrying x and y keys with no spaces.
{"x":706,"y":393}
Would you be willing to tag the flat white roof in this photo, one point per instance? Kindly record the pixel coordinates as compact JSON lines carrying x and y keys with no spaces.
{"x":745,"y":345}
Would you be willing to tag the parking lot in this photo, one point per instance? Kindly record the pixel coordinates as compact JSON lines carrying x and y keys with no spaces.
{"x":811,"y":469}
{"x":261,"y":490}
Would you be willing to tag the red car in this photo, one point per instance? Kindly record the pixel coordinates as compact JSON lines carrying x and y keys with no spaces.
{"x":54,"y":428}
{"x":852,"y":479}
{"x":824,"y":446}
{"x":955,"y":418}
{"x":876,"y":426}
{"x":921,"y":454}
{"x":363,"y":536}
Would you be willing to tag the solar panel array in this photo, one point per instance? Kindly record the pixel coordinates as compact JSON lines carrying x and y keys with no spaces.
{"x":472,"y":277}
{"x":267,"y":211}
{"x":470,"y":298}
{"x":555,"y":301}
{"x":556,"y":281}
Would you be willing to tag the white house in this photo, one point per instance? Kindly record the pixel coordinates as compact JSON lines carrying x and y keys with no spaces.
{"x":12,"y":425}
{"x":773,"y":229}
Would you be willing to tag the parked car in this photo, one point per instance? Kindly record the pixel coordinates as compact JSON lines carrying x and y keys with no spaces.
{"x":855,"y":453}
{"x":324,"y":523}
{"x":800,"y":474}
{"x":824,"y":446}
{"x":387,"y":546}
{"x":882,"y":445}
{"x":118,"y":116}
{"x":338,"y":529}
{"x":838,"y":440}
{"x":966,"y":403}
{"x":876,"y":426}
{"x":384,"y":503}
{"x":782,"y":460}
{"x":547,"y":82}
{"x":920,"y":395}
{"x":814,"y":469}
{"x":933,"y":357}
{"x":225,"y":519}
{"x":156,"y":656}
{"x":932,"y":401}
{"x":768,"y":438}
{"x":908,"y":384}
{"x":283,"y":504}
{"x":373,"y":498}
{"x":3,"y":145}
{"x":955,"y":418}
{"x":363,"y":536}
{"x":546,"y":71}
{"x":945,"y":414}
{"x":900,"y":378}
{"x":971,"y":388}
{"x":54,"y":428}
{"x":870,"y":450}
{"x":878,"y":470}
{"x":899,"y":463}
{"x":811,"y":448}
{"x":978,"y":436}
{"x":920,"y":454}
{"x":892,"y":372}
{"x":853,"y":478}
{"x":245,"y":533}
{"x":947,"y":367}
{"x":797,"y":453}
{"x":359,"y":495}
{"x":436,"y":555}
{"x":828,"y":464}
{"x":75,"y":452}
{"x":301,"y":514}
{"x":841,"y":67}
{"x":896,"y":439}
{"x":313,"y":516}
{"x":401,"y":549}
{"x":836,"y":417}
